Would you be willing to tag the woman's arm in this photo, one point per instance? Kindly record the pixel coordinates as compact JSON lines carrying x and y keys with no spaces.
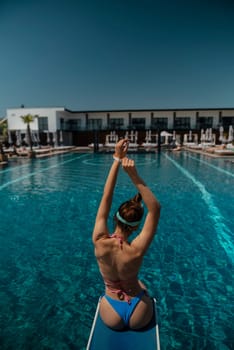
{"x":143,"y":240}
{"x":100,"y":227}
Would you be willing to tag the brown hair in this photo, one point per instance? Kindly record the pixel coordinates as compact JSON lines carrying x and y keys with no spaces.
{"x":131,"y":211}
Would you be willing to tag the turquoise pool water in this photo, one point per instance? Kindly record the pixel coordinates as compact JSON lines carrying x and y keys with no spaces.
{"x":49,"y":278}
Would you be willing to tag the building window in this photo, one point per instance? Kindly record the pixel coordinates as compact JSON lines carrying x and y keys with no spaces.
{"x":226,"y":121}
{"x":182,"y":123}
{"x":159,"y":123}
{"x":74,"y":124}
{"x":94,"y":124}
{"x":205,"y":122}
{"x":138,"y":123}
{"x":116,"y":123}
{"x":70,"y":124}
{"x":43,"y":123}
{"x":62,"y":123}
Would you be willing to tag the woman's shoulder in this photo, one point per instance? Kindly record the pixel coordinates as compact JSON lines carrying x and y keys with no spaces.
{"x":99,"y":237}
{"x":103,"y":245}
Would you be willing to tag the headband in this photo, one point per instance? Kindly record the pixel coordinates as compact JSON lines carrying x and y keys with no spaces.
{"x":129,"y":223}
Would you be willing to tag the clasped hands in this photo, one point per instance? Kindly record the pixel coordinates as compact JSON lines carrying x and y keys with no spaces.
{"x":121,"y":149}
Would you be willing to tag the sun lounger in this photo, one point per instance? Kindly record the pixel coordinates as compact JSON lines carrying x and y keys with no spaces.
{"x":224,"y":152}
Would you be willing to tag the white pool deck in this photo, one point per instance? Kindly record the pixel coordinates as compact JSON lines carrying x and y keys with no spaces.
{"x":46,"y":151}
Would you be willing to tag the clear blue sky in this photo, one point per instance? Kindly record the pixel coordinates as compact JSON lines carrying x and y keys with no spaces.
{"x":116,"y":54}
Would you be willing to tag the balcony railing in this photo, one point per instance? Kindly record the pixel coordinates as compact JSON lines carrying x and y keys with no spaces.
{"x":198,"y":126}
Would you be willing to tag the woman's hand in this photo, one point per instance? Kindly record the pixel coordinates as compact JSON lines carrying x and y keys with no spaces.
{"x":129,"y":166}
{"x":121,"y":148}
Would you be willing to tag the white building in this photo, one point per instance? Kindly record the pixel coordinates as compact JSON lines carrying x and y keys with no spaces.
{"x":61,"y":121}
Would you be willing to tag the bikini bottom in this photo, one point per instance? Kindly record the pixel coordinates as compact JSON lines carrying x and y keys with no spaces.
{"x":123,"y":308}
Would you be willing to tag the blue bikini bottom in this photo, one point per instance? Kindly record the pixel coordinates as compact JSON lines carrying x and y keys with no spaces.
{"x":123,"y":308}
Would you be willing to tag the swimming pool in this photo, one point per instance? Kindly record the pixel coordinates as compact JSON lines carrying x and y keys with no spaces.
{"x":49,"y":278}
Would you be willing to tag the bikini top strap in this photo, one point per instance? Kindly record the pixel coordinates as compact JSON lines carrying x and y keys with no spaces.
{"x":120,"y":239}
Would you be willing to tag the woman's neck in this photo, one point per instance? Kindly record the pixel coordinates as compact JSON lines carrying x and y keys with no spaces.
{"x":120,"y":233}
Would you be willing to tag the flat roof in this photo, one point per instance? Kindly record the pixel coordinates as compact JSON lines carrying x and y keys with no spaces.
{"x":148,"y":110}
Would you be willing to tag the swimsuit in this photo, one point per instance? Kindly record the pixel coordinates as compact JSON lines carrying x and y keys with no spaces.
{"x":125,"y":306}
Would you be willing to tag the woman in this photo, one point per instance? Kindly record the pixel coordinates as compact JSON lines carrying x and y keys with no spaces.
{"x":126,"y":303}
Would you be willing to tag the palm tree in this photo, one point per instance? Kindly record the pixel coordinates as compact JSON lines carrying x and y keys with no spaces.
{"x":3,"y":135}
{"x":27,"y":119}
{"x":3,"y":128}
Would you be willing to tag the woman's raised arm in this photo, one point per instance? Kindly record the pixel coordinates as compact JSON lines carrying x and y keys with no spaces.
{"x":100,"y":227}
{"x":143,"y":240}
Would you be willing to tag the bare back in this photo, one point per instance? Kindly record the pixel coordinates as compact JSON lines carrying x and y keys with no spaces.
{"x":119,"y":262}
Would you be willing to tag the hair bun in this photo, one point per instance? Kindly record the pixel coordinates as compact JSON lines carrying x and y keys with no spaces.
{"x":137,"y":198}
